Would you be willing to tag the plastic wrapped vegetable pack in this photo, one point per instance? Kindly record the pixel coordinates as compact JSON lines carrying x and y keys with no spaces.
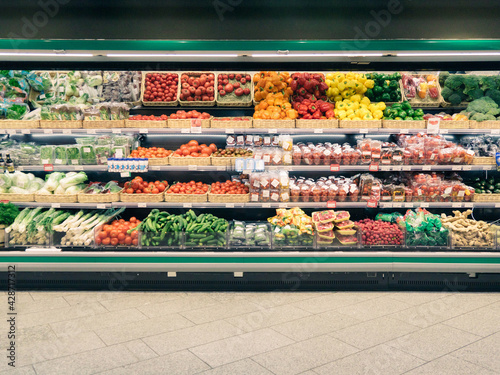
{"x":423,"y":228}
{"x":250,"y":234}
{"x":292,"y":228}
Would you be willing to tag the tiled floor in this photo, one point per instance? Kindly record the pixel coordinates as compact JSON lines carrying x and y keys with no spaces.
{"x":254,"y":333}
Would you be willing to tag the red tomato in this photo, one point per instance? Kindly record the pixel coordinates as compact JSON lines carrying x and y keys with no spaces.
{"x":106,"y":241}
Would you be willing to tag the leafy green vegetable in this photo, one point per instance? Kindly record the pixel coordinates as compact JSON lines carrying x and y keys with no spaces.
{"x":16,"y":111}
{"x":60,"y":155}
{"x":88,"y":154}
{"x":8,"y":213}
{"x":74,"y":155}
{"x":47,"y":154}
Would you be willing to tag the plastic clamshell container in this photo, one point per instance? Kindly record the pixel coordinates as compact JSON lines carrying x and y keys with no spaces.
{"x":282,"y":241}
{"x":170,"y":241}
{"x":11,"y":242}
{"x":380,"y":245}
{"x":247,"y":235}
{"x":411,"y":237}
{"x":206,"y":240}
{"x":491,"y":246}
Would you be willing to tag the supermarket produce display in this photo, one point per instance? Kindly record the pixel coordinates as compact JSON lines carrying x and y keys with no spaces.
{"x":210,"y":164}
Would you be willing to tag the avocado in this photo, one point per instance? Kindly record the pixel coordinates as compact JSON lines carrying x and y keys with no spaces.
{"x":490,"y":187}
{"x":496,"y":191}
{"x":497,"y":185}
{"x":491,"y":181}
{"x":489,"y":192}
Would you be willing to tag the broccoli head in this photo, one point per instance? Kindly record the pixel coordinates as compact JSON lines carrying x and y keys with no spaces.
{"x":482,"y":105}
{"x":446,"y":92}
{"x":455,"y":82}
{"x":493,"y":94}
{"x":475,"y":94}
{"x":488,"y":82}
{"x":442,"y":77}
{"x":493,"y":112}
{"x":482,"y":117}
{"x":471,"y":83}
{"x":455,"y":99}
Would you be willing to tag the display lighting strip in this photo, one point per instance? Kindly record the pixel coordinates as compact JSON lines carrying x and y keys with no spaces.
{"x":46,"y":54}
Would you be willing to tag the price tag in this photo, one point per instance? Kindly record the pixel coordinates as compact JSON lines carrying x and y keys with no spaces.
{"x":397,"y":205}
{"x":143,"y":131}
{"x":25,"y":131}
{"x":142,"y":205}
{"x":433,"y":125}
{"x":371,"y":203}
{"x":185,"y":131}
{"x":55,"y":205}
{"x":266,"y":205}
{"x":229,"y":205}
{"x":101,"y":206}
{"x":196,"y":125}
{"x":487,"y":167}
{"x":48,"y":131}
{"x":91,"y":131}
{"x":397,"y":168}
{"x":116,"y":131}
{"x":468,"y":205}
{"x":48,"y":168}
{"x":443,"y":131}
{"x":385,"y":168}
{"x":497,"y":205}
{"x":20,"y":168}
{"x":220,"y":168}
{"x":331,"y":204}
{"x":495,"y":131}
{"x":282,"y":205}
{"x":192,"y":167}
{"x":363,"y":131}
{"x":42,"y":249}
{"x":272,"y":131}
{"x":124,"y":174}
{"x":406,"y":168}
{"x":456,"y":168}
{"x":229,"y":131}
{"x":334,"y":168}
{"x":424,"y":204}
{"x":387,"y":205}
{"x":373,"y":167}
{"x":426,"y":167}
{"x":78,"y":167}
{"x":467,"y":167}
{"x":456,"y":205}
{"x":403,"y":131}
{"x":66,"y":131}
{"x":2,"y":131}
{"x":408,"y":205}
{"x":318,"y":131}
{"x":154,"y":167}
{"x":11,"y":131}
{"x":187,"y":205}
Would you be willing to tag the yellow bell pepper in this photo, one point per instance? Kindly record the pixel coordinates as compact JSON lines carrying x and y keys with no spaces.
{"x":365,"y":100}
{"x":369,"y":83}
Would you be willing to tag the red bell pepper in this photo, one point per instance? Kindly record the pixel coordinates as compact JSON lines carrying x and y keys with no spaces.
{"x":302,"y":91}
{"x":306,"y":102}
{"x":323,"y":107}
{"x":296,"y":105}
{"x":317,"y":115}
{"x":303,"y":109}
{"x":313,"y":107}
{"x":330,"y":114}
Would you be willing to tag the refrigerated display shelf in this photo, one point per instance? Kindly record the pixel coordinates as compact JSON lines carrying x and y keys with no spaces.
{"x":315,"y":205}
{"x":242,"y":131}
{"x":236,"y":261}
{"x":291,"y":168}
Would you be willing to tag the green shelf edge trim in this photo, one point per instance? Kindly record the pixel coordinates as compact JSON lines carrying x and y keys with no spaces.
{"x":252,"y":45}
{"x":262,"y":260}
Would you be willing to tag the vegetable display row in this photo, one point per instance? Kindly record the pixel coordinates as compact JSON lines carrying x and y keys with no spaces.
{"x":289,"y":229}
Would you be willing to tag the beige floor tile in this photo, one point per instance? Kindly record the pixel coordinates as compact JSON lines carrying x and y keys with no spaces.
{"x":235,"y":348}
{"x":41,"y":351}
{"x":61,"y":314}
{"x":473,"y":300}
{"x":482,"y":322}
{"x":310,"y":372}
{"x":449,"y":365}
{"x":31,"y":306}
{"x":33,"y":334}
{"x":305,"y":355}
{"x":243,"y":367}
{"x":224,"y":297}
{"x":39,"y":295}
{"x":433,"y":342}
{"x":97,"y":322}
{"x":316,"y":325}
{"x":266,"y":317}
{"x":330,"y":301}
{"x":118,"y":371}
{"x":97,"y":296}
{"x":25,"y":370}
{"x":220,"y":311}
{"x":373,"y":308}
{"x":180,"y":363}
{"x":482,"y":353}
{"x":127,"y":301}
{"x":272,"y":299}
{"x":373,"y":332}
{"x":140,"y":350}
{"x":417,"y":298}
{"x":190,"y":337}
{"x":88,"y":363}
{"x":190,"y":302}
{"x":142,"y":328}
{"x":380,"y":360}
